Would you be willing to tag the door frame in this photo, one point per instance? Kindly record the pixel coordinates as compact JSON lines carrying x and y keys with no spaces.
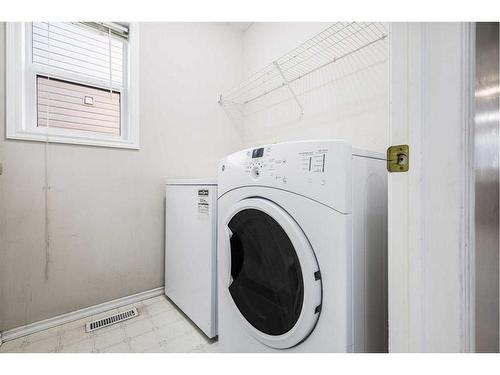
{"x":431,"y":208}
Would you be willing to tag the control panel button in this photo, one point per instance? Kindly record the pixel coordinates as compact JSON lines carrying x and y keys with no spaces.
{"x":255,"y":172}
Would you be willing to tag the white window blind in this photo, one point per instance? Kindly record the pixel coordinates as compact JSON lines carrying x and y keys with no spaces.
{"x":79,"y":87}
{"x":83,"y":50}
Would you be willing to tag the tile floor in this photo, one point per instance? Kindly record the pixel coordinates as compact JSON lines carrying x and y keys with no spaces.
{"x":159,"y":328}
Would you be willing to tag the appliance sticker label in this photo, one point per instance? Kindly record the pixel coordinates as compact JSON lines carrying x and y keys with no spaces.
{"x":313,"y":161}
{"x":203,"y":204}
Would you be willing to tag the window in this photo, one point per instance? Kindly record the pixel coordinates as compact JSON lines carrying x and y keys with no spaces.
{"x":73,"y":83}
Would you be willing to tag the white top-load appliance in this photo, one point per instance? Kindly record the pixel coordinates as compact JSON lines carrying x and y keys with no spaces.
{"x":190,"y":249}
{"x":302,"y":249}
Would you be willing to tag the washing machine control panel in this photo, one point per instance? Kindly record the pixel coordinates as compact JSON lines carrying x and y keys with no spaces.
{"x":263,"y":161}
{"x":310,"y":168}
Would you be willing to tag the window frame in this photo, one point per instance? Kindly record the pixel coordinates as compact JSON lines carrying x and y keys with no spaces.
{"x":21,"y":98}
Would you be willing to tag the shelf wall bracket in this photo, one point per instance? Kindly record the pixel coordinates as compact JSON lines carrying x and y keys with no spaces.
{"x":285,"y":81}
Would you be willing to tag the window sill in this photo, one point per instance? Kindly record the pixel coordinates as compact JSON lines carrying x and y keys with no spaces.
{"x":74,"y":140}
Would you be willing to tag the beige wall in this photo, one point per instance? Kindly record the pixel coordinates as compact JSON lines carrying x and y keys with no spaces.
{"x":105,"y":206}
{"x":346,"y":100}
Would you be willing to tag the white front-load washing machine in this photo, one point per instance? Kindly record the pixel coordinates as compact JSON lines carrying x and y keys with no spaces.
{"x":302,"y":249}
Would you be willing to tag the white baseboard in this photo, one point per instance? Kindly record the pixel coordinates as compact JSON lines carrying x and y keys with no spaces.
{"x":28,"y":329}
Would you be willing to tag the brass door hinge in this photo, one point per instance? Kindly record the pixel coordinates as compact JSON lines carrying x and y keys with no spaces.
{"x":398,"y":158}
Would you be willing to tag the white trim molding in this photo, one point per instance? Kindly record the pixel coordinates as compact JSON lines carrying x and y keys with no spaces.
{"x":467,"y":179}
{"x":28,"y":329}
{"x":431,"y":241}
{"x":21,"y":103}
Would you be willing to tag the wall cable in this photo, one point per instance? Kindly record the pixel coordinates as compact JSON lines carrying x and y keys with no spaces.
{"x":46,"y":186}
{"x":110,"y":66}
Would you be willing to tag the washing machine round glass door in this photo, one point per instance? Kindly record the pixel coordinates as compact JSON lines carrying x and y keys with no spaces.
{"x":274,"y":281}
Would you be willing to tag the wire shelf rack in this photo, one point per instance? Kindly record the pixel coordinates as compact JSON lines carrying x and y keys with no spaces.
{"x":337,"y":42}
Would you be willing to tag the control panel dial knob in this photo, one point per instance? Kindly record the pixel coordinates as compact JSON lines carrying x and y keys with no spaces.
{"x":255,"y":172}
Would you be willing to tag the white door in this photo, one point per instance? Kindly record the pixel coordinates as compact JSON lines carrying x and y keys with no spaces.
{"x":430,"y":243}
